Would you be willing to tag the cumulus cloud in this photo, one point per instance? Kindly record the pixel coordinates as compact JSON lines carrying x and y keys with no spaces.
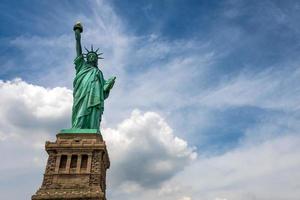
{"x":31,"y":111}
{"x":145,"y":151}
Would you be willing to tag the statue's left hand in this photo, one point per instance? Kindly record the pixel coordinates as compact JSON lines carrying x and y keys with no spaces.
{"x":112,"y":82}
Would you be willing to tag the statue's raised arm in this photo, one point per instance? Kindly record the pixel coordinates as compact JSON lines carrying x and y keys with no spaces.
{"x":78,"y":30}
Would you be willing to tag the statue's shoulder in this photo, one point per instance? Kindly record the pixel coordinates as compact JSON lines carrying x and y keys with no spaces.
{"x":79,"y":60}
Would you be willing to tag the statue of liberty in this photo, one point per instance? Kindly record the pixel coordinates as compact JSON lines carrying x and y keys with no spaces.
{"x":90,"y":88}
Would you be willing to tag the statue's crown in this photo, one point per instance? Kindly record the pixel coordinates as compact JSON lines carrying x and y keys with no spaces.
{"x":92,"y":51}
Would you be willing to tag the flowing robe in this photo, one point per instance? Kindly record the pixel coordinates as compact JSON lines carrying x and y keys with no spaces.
{"x":90,"y":90}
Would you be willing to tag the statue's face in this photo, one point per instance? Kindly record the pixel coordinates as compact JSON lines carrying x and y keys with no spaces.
{"x":92,"y":58}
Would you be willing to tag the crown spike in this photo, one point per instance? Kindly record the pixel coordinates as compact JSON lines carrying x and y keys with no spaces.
{"x":92,"y":48}
{"x":87,"y":50}
{"x":96,"y":50}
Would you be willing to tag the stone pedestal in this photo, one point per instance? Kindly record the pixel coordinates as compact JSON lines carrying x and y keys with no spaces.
{"x":76,"y":168}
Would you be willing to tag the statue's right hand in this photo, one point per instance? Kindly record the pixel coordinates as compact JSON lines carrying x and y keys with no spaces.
{"x":78,"y":26}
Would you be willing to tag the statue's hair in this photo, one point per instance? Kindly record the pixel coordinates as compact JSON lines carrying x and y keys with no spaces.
{"x":92,"y":51}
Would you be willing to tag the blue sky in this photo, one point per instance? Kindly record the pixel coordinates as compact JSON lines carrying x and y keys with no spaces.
{"x":220,"y":76}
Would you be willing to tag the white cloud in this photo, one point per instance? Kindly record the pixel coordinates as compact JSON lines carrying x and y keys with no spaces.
{"x":145,"y":150}
{"x":30,"y":111}
{"x":261,"y":171}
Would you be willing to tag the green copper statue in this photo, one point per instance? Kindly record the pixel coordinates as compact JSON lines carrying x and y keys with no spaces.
{"x":90,"y":88}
